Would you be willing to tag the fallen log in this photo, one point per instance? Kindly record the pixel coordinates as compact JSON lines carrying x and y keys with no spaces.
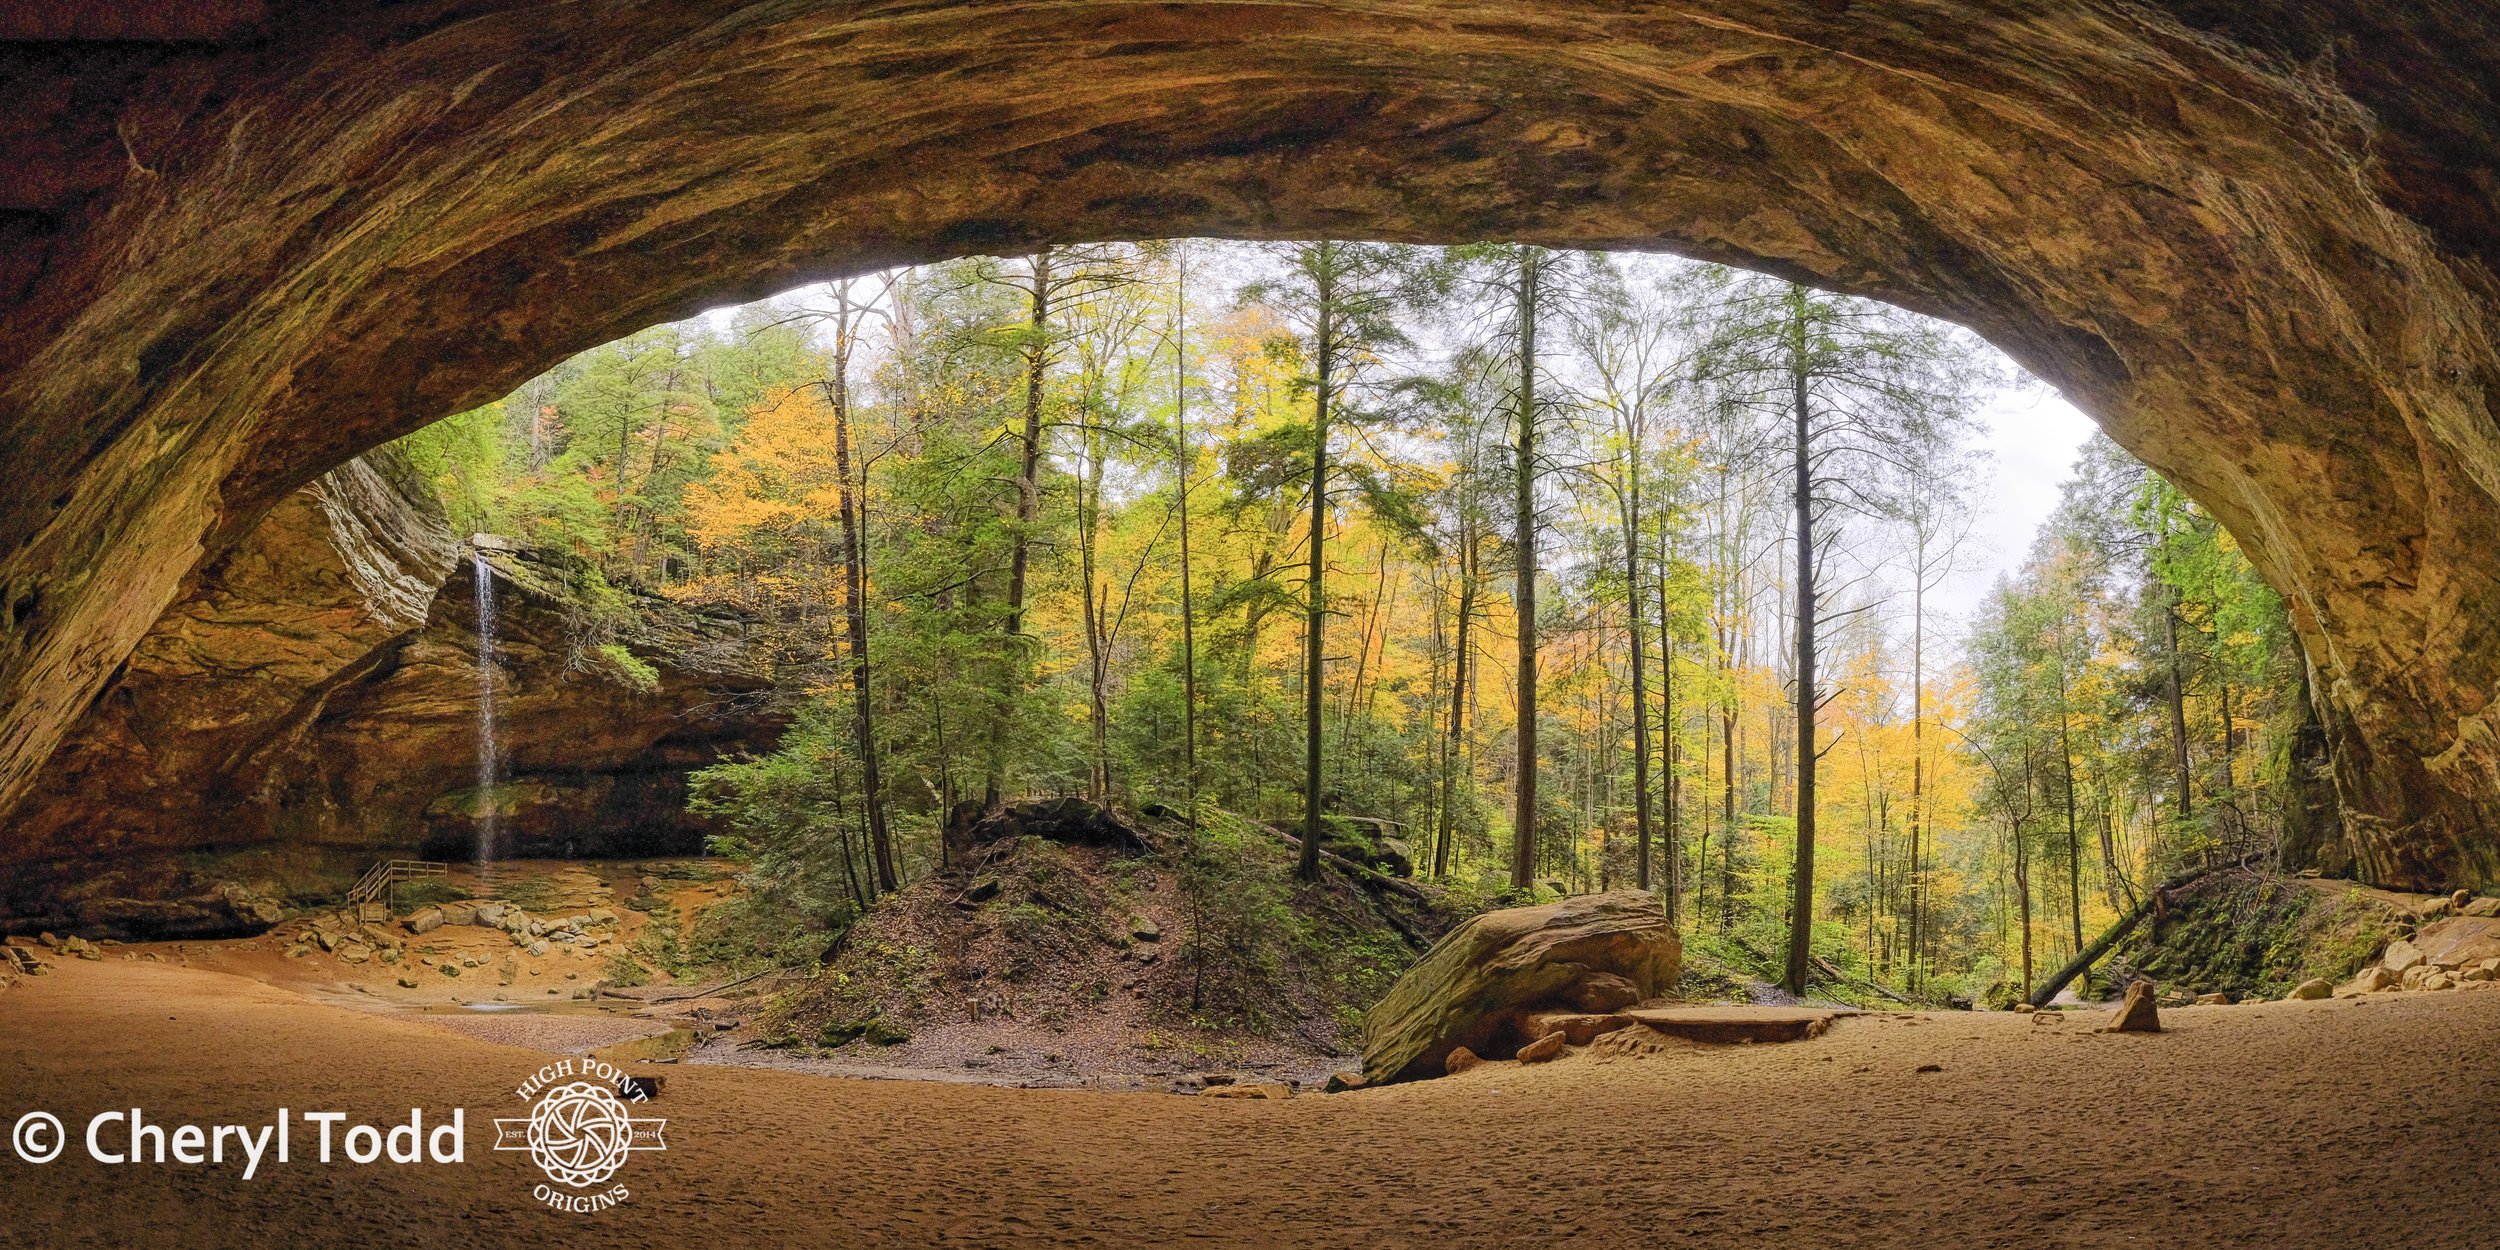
{"x":1369,"y":878}
{"x":2046,"y":992}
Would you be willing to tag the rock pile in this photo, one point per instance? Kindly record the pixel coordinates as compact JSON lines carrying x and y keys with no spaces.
{"x":2461,"y":951}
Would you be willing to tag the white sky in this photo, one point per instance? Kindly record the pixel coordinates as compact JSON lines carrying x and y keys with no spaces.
{"x":2032,"y":436}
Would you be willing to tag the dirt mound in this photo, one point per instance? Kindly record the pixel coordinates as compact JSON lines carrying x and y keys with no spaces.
{"x":1071,"y":940}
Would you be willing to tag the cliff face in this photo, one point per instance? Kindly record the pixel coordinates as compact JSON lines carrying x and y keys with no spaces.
{"x":312,"y":705}
{"x":2256,"y":240}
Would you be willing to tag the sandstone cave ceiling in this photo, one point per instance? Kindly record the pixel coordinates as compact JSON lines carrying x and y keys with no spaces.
{"x":246,"y":239}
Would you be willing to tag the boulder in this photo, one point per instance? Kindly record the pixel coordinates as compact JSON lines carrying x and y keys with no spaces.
{"x":2439,"y":980}
{"x":2213,"y":1000}
{"x":1547,"y":1047}
{"x":1472,"y":988}
{"x":2313,"y":988}
{"x":2486,"y":906}
{"x":2137,"y":1014}
{"x":1577,"y":1027}
{"x":1259,"y":1089}
{"x":424,"y":920}
{"x":489,"y":915}
{"x":2401,"y":956}
{"x":2459,"y":941}
{"x":1145,"y":930}
{"x":1603,"y":992}
{"x":1341,"y":1082}
{"x":1460,"y":1059}
{"x":2372,"y":979}
{"x":460,"y":913}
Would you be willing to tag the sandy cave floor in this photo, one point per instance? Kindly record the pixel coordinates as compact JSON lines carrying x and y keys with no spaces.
{"x":2341,"y":1123}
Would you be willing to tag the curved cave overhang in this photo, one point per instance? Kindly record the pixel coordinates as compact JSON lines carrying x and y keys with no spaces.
{"x":245,"y":240}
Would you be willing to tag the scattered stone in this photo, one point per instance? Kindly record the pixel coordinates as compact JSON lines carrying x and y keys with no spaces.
{"x":1578,"y":1027}
{"x":1145,"y":930}
{"x":2311,"y":989}
{"x":538,"y":949}
{"x":1216,"y":1078}
{"x":448,"y":969}
{"x":639,"y":1088}
{"x":2213,"y":1000}
{"x":2024,"y":1009}
{"x":1261,"y":1089}
{"x":2401,"y":956}
{"x":354,"y":954}
{"x":407,"y":983}
{"x":460,"y":913}
{"x":1547,"y":1047}
{"x":48,"y":940}
{"x":424,"y":920}
{"x":1926,"y":1068}
{"x":490,"y":915}
{"x":2137,"y":1014}
{"x":2416,"y":975}
{"x":983,"y":889}
{"x":2477,"y":973}
{"x":2439,"y":981}
{"x":2486,"y":906}
{"x":1460,"y":1060}
{"x":1340,"y":1082}
{"x":2371,"y":980}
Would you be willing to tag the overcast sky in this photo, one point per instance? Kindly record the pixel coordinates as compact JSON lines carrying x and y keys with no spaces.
{"x":2033,"y":437}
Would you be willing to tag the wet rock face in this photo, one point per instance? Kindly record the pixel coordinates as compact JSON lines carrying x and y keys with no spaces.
{"x":2257,"y":240}
{"x":312,"y":703}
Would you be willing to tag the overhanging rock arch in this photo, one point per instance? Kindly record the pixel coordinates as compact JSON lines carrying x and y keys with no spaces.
{"x":2256,"y":240}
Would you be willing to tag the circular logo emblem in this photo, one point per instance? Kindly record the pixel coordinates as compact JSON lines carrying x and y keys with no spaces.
{"x":579,"y":1131}
{"x":579,"y":1134}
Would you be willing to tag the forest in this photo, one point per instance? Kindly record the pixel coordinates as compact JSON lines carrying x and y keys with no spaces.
{"x":1576,"y":570}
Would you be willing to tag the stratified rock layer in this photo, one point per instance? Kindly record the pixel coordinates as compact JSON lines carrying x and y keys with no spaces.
{"x":313,"y":704}
{"x":2257,"y":241}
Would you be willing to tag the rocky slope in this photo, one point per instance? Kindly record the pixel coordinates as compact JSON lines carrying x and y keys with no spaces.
{"x":311,"y":705}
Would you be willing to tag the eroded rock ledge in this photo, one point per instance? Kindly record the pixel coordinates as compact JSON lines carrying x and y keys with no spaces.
{"x":312,"y":704}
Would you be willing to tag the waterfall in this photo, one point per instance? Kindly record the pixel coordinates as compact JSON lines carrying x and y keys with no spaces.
{"x":489,"y":750}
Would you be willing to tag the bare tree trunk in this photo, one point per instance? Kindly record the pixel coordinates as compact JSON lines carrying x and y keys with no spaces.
{"x":1523,"y":815}
{"x":1801,"y":918}
{"x":1315,"y":627}
{"x":1189,"y":614}
{"x":1458,"y":701}
{"x":1028,"y":508}
{"x":2178,"y":703}
{"x":855,"y":603}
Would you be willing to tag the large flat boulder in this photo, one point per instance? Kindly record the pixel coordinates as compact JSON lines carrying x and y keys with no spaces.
{"x":2457,"y":942}
{"x":1472,"y":989}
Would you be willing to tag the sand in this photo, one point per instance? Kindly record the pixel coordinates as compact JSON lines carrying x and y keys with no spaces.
{"x":2328,"y":1124}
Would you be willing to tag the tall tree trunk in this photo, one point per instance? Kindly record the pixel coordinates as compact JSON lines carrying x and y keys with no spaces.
{"x":1918,"y":753}
{"x":1028,"y":507}
{"x":1801,"y":916}
{"x":1670,"y":832}
{"x":1640,"y":689}
{"x":1524,"y":807}
{"x":855,"y":604}
{"x":1189,"y":614}
{"x":2074,"y":833}
{"x":2178,"y":702}
{"x":1458,"y":701}
{"x":1313,"y":658}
